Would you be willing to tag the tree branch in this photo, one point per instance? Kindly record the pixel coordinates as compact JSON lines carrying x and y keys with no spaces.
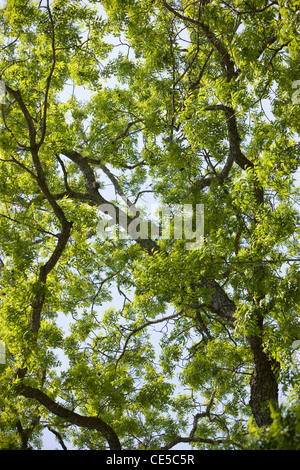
{"x":144,"y":325}
{"x":28,"y":118}
{"x":234,"y":142}
{"x":214,"y":40}
{"x":49,"y":78}
{"x":58,"y":436}
{"x":94,"y":195}
{"x":90,"y":422}
{"x":190,"y":440}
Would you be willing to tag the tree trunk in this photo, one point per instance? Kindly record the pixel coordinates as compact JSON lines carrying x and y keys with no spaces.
{"x":263,"y":383}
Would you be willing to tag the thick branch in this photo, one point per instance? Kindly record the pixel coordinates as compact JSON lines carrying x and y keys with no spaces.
{"x":23,"y":435}
{"x":29,"y":121}
{"x":234,"y":143}
{"x":189,"y":440}
{"x":27,"y":432}
{"x":264,"y":387}
{"x":214,"y":40}
{"x":263,"y":384}
{"x":90,"y":422}
{"x":59,"y":248}
{"x":38,"y":302}
{"x":92,"y":186}
{"x":219,"y":302}
{"x":233,"y":135}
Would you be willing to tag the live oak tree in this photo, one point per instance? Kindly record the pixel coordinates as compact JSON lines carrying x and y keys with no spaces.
{"x":123,"y":343}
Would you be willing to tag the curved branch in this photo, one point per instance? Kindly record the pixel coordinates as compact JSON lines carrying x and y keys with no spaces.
{"x":92,"y":186}
{"x":234,"y":142}
{"x":28,"y":118}
{"x":233,"y":135}
{"x":213,"y":39}
{"x":90,"y":422}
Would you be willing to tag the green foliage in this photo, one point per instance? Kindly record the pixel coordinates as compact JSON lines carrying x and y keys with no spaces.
{"x":133,"y":102}
{"x":283,"y":434}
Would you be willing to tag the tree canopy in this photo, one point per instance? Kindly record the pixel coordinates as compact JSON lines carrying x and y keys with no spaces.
{"x":138,"y":343}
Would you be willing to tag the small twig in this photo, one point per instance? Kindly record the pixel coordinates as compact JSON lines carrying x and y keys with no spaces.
{"x":144,"y":325}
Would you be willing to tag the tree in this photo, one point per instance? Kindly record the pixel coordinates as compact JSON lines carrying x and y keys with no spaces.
{"x":136,"y":342}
